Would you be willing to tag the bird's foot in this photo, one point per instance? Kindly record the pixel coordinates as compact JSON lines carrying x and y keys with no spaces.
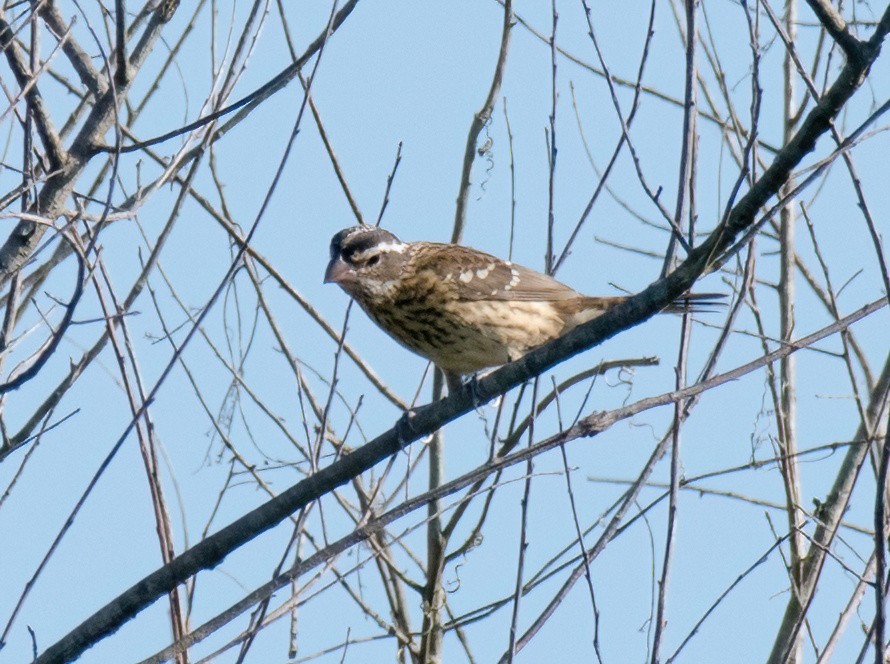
{"x":456,"y":383}
{"x":405,"y":430}
{"x":475,"y":392}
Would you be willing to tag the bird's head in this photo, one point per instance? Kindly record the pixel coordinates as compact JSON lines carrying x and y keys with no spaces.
{"x":365,"y":261}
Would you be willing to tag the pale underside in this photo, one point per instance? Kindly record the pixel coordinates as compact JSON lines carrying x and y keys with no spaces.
{"x":494,"y":312}
{"x":498,"y":334}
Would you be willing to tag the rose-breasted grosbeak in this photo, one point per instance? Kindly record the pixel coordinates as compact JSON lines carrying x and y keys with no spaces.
{"x":460,"y":308}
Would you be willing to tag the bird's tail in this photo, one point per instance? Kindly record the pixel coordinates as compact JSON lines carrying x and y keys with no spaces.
{"x":580,"y":310}
{"x":696,"y":303}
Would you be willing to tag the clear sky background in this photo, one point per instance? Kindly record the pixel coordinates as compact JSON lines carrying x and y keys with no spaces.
{"x":412,"y":73}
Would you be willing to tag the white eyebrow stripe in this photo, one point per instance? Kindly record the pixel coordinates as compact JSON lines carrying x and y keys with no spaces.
{"x":396,"y":247}
{"x":384,"y":248}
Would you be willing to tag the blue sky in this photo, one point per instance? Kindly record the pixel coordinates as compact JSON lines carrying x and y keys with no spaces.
{"x":414,"y":73}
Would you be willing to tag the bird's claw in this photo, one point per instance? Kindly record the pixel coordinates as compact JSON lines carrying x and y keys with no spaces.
{"x":475,"y":392}
{"x":456,"y":384}
{"x":405,"y":428}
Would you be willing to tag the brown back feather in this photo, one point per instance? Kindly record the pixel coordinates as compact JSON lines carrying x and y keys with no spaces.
{"x":495,"y":279}
{"x":487,"y":277}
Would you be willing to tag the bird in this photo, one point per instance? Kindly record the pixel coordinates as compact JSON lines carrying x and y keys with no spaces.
{"x":460,"y":308}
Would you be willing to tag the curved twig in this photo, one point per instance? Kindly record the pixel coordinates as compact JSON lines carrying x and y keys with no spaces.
{"x":479,"y":121}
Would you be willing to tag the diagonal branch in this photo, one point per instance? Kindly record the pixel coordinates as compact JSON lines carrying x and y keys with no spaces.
{"x":24,"y":77}
{"x":51,"y":199}
{"x":589,"y":426}
{"x":79,"y":59}
{"x":837,"y":27}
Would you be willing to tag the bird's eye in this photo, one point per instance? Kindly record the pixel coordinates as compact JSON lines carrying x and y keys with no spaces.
{"x":373,"y":260}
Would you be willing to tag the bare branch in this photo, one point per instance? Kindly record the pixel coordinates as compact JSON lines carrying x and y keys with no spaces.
{"x":480,"y":119}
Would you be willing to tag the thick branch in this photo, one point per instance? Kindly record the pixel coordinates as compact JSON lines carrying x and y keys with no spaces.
{"x":51,"y":199}
{"x":79,"y":59}
{"x":837,"y":27}
{"x":49,"y":137}
{"x":587,"y":427}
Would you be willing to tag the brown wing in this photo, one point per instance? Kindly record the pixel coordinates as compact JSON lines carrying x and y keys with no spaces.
{"x":482,"y":276}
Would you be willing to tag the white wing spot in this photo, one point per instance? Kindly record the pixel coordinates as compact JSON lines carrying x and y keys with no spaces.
{"x":466,"y":276}
{"x":484,"y":272}
{"x":514,"y":280}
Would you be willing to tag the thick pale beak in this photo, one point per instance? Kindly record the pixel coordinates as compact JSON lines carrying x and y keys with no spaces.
{"x":337,"y":272}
